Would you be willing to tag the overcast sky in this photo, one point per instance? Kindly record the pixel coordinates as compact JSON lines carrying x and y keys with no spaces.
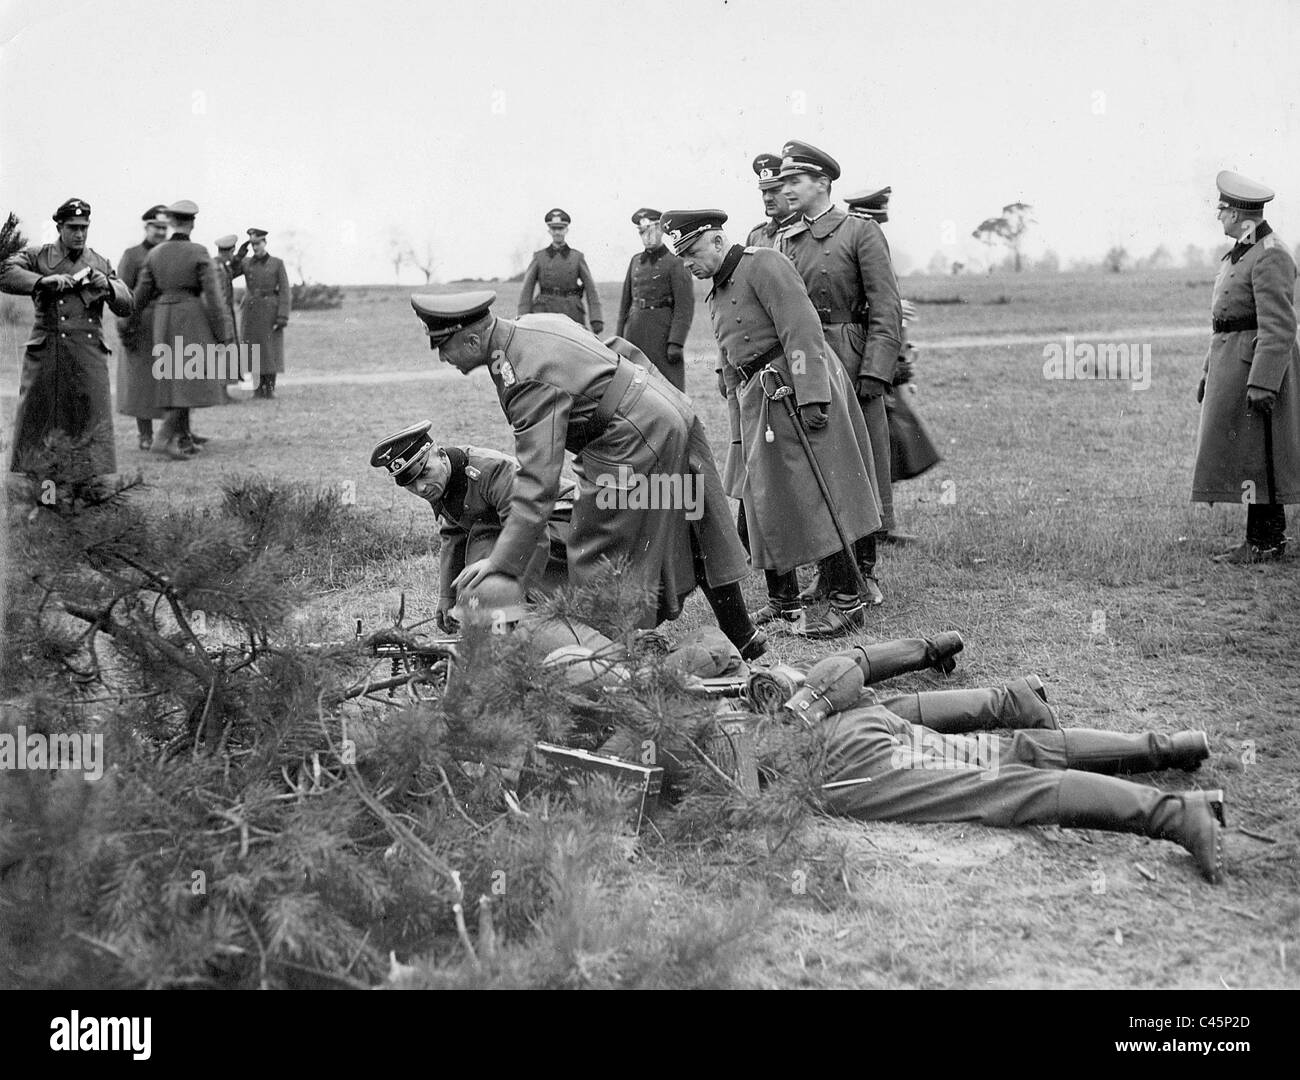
{"x":460,"y":124}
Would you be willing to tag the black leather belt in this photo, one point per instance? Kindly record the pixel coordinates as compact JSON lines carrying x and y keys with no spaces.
{"x":749,"y":370}
{"x":561,"y":292}
{"x":1235,"y":326}
{"x":645,"y":305}
{"x":618,"y":385}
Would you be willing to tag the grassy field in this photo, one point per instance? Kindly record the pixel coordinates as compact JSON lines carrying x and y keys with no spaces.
{"x":1057,"y":537}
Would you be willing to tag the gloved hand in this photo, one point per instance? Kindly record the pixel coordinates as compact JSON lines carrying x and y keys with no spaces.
{"x":722,"y":385}
{"x":280,"y":324}
{"x":1260,"y":400}
{"x":56,"y":283}
{"x":870,"y":387}
{"x":675,"y":354}
{"x":1200,"y":392}
{"x":442,"y":617}
{"x":813,"y":416}
{"x":242,"y":250}
{"x":903,"y":372}
{"x":597,"y":327}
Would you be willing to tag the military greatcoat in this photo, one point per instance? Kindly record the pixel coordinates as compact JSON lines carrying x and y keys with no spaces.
{"x":761,"y":310}
{"x":179,"y":278}
{"x":136,"y":390}
{"x":656,"y":308}
{"x":845,"y":264}
{"x":64,"y":385}
{"x":1255,"y":345}
{"x":551,"y":378}
{"x":563,"y":281}
{"x":268,"y":300}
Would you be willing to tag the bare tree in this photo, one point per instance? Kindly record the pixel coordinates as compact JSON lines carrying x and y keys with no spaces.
{"x":293,"y":245}
{"x":398,"y":251}
{"x":11,"y":237}
{"x":423,"y":258}
{"x":1007,"y":228}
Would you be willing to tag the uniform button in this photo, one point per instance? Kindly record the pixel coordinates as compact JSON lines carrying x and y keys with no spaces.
{"x":733,"y":301}
{"x":746,"y":337}
{"x":737,"y":318}
{"x":63,"y":335}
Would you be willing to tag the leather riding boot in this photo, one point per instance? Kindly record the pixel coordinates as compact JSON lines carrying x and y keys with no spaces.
{"x":885,"y":659}
{"x":1115,"y":752}
{"x":1193,"y":819}
{"x":167,"y":440}
{"x":1017,"y":706}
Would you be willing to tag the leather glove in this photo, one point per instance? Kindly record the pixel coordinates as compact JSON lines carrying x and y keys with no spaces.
{"x":1260,"y":400}
{"x":813,"y":416}
{"x":442,"y":617}
{"x":722,"y":385}
{"x":903,"y":372}
{"x":280,"y":324}
{"x":675,"y":354}
{"x":242,"y":250}
{"x":597,"y":327}
{"x":1200,"y":392}
{"x":56,"y":283}
{"x":869,"y":387}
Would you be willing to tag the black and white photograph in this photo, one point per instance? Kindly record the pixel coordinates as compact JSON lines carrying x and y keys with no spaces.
{"x":725,"y":495}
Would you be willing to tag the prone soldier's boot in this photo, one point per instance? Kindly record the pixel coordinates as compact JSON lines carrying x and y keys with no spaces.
{"x":1019,"y":706}
{"x":884,"y":659}
{"x":1115,"y":752}
{"x":1194,"y":819}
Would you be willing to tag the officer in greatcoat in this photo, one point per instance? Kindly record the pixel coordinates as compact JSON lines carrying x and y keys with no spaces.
{"x":845,"y":264}
{"x":561,"y":279}
{"x":649,"y":492}
{"x":136,"y":389}
{"x":471,"y":489}
{"x":658,"y":301}
{"x":1248,"y":447}
{"x":264,"y":313}
{"x":769,"y":333}
{"x":190,"y":318}
{"x":64,"y":387}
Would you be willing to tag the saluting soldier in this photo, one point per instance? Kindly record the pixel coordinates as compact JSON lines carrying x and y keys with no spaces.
{"x":1249,"y":439}
{"x":561,"y":278}
{"x":136,"y":389}
{"x":471,"y":489}
{"x":268,"y":302}
{"x":844,"y":262}
{"x":64,"y":388}
{"x":222,"y":261}
{"x":189,"y":316}
{"x":770,"y":335}
{"x":650,"y":491}
{"x":658,"y":301}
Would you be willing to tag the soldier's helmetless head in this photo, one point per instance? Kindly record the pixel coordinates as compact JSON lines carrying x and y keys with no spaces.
{"x":259,"y":245}
{"x":652,"y":233}
{"x":467,"y":349}
{"x":155,"y":231}
{"x":181,"y":223}
{"x":804,"y":191}
{"x":73,"y":237}
{"x":704,"y":257}
{"x":775,"y":204}
{"x":558,"y":233}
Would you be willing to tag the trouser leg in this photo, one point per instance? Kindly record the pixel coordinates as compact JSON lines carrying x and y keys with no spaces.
{"x":1266,"y":524}
{"x":837,"y":572}
{"x":144,"y":426}
{"x":727,"y":602}
{"x":864,"y":549}
{"x":742,"y":529}
{"x":953,"y":712}
{"x":783,"y":589}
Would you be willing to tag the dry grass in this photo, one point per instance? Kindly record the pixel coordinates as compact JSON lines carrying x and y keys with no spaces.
{"x":1070,"y":550}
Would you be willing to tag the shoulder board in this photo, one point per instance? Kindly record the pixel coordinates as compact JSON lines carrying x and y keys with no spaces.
{"x":751,"y":250}
{"x":472,"y":472}
{"x":1269,"y":241}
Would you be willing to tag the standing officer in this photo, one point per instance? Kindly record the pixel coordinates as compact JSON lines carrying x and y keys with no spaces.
{"x":1249,"y":438}
{"x":136,"y":389}
{"x":769,"y":334}
{"x":562,"y":279}
{"x":649,"y":491}
{"x":64,"y":387}
{"x":190,"y":312}
{"x":268,"y":300}
{"x":224,"y":257}
{"x":780,"y":214}
{"x":844,"y":262}
{"x":658,"y":301}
